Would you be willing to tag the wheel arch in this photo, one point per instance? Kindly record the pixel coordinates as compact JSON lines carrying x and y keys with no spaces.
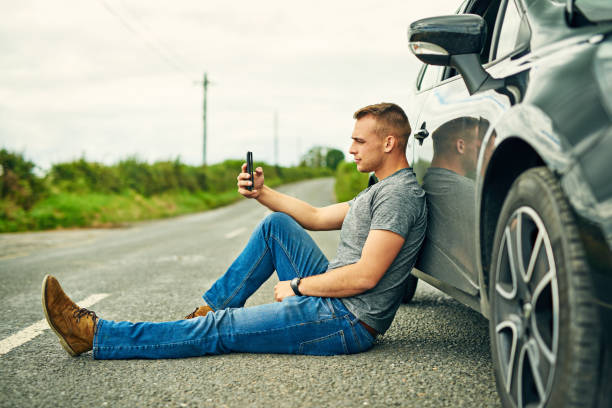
{"x":502,"y":170}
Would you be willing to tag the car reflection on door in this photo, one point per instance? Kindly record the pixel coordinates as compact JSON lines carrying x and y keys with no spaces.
{"x":449,"y":251}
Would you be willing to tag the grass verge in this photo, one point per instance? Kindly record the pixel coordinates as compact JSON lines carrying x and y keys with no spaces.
{"x":69,"y":210}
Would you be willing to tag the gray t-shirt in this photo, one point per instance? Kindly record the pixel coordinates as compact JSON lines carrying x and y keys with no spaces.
{"x":449,"y":244}
{"x":397,"y":204}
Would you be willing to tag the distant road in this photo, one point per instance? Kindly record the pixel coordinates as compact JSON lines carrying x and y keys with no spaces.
{"x":435,"y":354}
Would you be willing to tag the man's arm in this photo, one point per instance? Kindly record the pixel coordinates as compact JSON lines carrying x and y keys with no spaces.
{"x":380,"y":249}
{"x":309,"y":217}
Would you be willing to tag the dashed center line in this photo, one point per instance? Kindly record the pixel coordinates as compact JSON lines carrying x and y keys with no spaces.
{"x":235,"y":233}
{"x":27,"y":334}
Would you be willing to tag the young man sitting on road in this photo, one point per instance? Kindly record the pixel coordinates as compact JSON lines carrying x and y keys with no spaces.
{"x":321,"y":308}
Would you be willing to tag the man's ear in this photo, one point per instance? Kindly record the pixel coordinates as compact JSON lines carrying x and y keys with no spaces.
{"x":390,"y":143}
{"x":460,"y":146}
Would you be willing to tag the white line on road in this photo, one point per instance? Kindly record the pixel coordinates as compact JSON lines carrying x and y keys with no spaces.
{"x":27,"y":334}
{"x":235,"y":233}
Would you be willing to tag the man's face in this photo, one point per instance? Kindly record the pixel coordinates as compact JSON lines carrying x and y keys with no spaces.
{"x":367,"y":147}
{"x":469,"y":156}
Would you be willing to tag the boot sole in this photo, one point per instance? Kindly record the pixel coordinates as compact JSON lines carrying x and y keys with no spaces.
{"x":63,"y":342}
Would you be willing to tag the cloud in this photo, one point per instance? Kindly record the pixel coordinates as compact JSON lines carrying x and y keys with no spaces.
{"x":76,"y":79}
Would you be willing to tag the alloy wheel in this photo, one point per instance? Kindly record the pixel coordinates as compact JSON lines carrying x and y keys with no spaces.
{"x":526,"y":309}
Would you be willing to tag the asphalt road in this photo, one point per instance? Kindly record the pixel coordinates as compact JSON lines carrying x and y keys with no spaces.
{"x":435,"y":354}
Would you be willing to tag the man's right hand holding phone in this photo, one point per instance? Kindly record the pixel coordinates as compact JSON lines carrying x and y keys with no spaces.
{"x":244,"y":180}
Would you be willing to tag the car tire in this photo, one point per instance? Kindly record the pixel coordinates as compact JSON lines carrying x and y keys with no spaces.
{"x":411,"y":286}
{"x":544,"y":325}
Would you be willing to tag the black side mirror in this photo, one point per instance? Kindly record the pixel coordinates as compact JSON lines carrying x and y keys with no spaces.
{"x":434,"y":40}
{"x":457,"y":41}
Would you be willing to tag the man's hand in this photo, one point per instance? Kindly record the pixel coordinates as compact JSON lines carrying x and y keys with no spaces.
{"x":244,"y":180}
{"x":283,"y":290}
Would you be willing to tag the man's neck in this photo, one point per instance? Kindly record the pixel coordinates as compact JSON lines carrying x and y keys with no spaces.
{"x":448,"y":164}
{"x":391,"y":167}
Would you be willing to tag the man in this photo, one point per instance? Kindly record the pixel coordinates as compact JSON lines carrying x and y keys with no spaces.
{"x":321,"y":308}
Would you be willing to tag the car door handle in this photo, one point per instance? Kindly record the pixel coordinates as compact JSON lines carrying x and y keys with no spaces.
{"x":421,"y":135}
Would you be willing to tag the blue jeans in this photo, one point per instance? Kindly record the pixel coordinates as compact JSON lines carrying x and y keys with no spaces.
{"x":298,"y":324}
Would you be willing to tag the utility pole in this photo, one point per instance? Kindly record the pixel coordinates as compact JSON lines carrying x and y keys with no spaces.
{"x":276,"y":137}
{"x":205,"y":87}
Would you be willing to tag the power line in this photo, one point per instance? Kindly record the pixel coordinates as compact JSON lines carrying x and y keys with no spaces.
{"x":160,"y":41}
{"x":151,"y":44}
{"x":164,"y":52}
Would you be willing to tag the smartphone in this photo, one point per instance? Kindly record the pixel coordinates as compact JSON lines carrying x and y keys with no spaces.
{"x":249,"y":169}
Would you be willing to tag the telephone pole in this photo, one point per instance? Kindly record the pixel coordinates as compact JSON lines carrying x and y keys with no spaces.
{"x":298,"y":150}
{"x":276,"y":137}
{"x":205,"y":87}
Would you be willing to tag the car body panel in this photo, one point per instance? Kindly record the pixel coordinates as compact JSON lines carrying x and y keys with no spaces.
{"x":551,"y":106}
{"x":542,"y":113}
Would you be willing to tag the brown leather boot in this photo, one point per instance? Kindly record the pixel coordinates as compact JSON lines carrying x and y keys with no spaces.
{"x":73,"y":325}
{"x":200,"y":311}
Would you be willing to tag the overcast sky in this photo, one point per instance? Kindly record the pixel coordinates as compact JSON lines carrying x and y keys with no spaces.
{"x":109,"y":79}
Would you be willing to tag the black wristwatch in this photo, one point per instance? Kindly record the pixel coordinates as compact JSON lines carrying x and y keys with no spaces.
{"x":295,"y":282}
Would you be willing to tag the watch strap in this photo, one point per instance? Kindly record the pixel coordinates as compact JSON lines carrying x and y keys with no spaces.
{"x":295,"y":282}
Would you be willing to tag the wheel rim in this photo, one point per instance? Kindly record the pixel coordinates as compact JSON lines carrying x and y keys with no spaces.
{"x":526,"y":309}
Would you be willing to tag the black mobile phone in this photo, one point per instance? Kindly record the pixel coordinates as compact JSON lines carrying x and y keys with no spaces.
{"x":249,"y":169}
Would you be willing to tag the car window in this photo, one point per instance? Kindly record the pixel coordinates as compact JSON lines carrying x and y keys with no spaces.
{"x":462,"y":7}
{"x":429,"y":77}
{"x":419,"y":79}
{"x":450,"y":71}
{"x":508,"y":38}
{"x":488,"y":10}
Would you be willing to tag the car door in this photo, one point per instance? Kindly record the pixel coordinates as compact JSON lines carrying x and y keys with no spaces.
{"x":456,"y":138}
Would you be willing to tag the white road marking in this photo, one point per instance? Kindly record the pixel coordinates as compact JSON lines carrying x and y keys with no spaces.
{"x":235,"y":233}
{"x":27,"y":334}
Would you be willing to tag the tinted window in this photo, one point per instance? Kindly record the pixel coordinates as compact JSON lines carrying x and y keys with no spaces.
{"x":508,"y":35}
{"x":430,"y":77}
{"x":487,"y":9}
{"x":462,"y":7}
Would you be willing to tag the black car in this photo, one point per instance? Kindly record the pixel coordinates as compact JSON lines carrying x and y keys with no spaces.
{"x":512,"y":122}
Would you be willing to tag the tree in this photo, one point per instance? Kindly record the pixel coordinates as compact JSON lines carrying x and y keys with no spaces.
{"x":333,"y":158}
{"x":320,"y":156}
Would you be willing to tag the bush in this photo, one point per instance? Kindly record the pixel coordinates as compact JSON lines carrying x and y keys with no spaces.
{"x":18,"y":183}
{"x":349,"y":181}
{"x":82,"y":193}
{"x":82,"y":177}
{"x":222,"y":176}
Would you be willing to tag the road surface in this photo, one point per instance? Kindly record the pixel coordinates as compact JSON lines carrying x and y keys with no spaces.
{"x":435,"y":354}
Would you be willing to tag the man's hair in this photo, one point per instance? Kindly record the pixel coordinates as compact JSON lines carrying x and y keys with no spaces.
{"x":390,"y":120}
{"x":466,"y":128}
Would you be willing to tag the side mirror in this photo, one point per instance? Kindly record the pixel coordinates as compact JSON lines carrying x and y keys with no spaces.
{"x":456,"y":41}
{"x":434,"y":40}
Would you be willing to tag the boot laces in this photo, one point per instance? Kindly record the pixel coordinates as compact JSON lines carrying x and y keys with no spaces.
{"x":192,"y":314}
{"x":82,"y":312}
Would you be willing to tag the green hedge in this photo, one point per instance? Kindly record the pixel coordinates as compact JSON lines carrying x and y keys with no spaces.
{"x":18,"y":182}
{"x":349,"y":181}
{"x":82,"y":193}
